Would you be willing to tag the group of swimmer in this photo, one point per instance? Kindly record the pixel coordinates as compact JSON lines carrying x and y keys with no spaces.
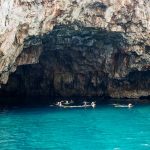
{"x":70,"y":104}
{"x":67,"y":104}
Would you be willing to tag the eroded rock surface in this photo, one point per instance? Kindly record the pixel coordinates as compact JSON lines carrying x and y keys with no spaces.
{"x":71,"y":47}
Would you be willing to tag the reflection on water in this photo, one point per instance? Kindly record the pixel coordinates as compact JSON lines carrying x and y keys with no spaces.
{"x":104,"y":127}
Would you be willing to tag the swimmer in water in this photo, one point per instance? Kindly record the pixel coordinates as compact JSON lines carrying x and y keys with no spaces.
{"x":130,"y":105}
{"x":60,"y":104}
{"x":67,"y":102}
{"x":71,"y":102}
{"x":85,"y":104}
{"x":93,"y":104}
{"x":57,"y":103}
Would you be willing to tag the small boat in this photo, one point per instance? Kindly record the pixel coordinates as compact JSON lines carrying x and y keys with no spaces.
{"x":123,"y":106}
{"x":66,"y":104}
{"x":80,"y":106}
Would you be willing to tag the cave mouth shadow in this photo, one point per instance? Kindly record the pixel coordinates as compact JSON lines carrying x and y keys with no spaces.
{"x":65,"y":50}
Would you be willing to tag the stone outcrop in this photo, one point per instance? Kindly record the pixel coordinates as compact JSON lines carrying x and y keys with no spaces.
{"x":75,"y":48}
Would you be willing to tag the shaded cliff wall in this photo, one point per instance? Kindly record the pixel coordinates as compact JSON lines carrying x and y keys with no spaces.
{"x":21,"y":19}
{"x":73,"y":60}
{"x":72,"y":47}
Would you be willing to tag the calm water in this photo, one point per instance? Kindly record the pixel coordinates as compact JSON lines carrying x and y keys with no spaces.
{"x":102,"y":128}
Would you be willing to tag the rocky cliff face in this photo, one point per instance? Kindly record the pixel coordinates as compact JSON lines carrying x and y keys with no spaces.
{"x":75,"y":48}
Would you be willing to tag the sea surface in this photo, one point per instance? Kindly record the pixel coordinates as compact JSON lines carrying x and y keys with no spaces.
{"x":102,"y":128}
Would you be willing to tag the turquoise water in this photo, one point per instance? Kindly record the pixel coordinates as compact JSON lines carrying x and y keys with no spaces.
{"x":102,"y":128}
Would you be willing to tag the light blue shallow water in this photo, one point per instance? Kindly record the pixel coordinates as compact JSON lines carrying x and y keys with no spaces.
{"x":102,"y":128}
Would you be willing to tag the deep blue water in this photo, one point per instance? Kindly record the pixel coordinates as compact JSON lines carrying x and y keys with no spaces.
{"x":102,"y":128}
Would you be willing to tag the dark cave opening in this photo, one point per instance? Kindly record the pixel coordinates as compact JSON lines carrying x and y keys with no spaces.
{"x":73,"y":63}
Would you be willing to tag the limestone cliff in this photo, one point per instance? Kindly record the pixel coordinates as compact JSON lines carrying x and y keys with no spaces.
{"x":72,"y":47}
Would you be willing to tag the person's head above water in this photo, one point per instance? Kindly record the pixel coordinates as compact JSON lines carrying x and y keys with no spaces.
{"x":129,"y":104}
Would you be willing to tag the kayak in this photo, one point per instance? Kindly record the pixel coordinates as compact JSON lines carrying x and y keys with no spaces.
{"x":118,"y":105}
{"x":81,"y":106}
